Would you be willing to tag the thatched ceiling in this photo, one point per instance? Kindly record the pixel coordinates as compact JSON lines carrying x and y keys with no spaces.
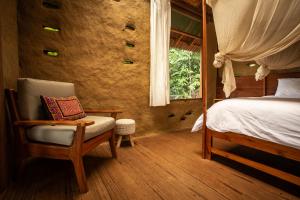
{"x":186,"y":26}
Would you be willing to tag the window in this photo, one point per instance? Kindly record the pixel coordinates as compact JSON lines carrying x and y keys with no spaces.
{"x":184,"y":74}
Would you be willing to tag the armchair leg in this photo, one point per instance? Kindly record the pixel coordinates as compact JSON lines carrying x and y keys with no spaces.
{"x":80,"y":174}
{"x":112,"y":145}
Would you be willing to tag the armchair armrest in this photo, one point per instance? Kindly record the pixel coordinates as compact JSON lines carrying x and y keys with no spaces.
{"x":113,"y":112}
{"x":26,"y":123}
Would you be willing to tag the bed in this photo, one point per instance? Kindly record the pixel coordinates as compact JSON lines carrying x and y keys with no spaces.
{"x":269,"y":123}
{"x":270,"y":118}
{"x":268,"y":33}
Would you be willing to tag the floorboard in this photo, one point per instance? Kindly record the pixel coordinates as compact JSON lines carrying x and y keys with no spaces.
{"x":164,"y":166}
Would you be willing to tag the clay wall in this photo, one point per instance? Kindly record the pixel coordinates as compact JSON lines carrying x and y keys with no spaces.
{"x":91,"y":46}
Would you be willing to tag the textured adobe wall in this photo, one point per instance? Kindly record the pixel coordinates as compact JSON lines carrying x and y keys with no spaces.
{"x":92,"y":49}
{"x":9,"y":39}
{"x":9,"y":71}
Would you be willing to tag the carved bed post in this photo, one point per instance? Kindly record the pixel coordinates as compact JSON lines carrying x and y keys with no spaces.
{"x":204,"y":79}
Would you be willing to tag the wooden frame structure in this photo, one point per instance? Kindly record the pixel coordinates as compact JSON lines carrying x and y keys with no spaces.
{"x":207,"y":139}
{"x":75,"y":152}
{"x":194,"y":43}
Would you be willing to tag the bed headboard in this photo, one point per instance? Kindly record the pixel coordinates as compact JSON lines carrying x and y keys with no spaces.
{"x":247,"y":86}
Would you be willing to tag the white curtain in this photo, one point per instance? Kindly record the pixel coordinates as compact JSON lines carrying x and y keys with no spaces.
{"x":160,"y":40}
{"x":286,"y":59}
{"x":252,"y":30}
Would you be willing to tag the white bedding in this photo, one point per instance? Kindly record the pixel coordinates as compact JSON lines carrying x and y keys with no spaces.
{"x":269,"y":118}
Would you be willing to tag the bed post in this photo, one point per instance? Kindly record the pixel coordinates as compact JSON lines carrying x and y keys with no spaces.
{"x":204,"y":81}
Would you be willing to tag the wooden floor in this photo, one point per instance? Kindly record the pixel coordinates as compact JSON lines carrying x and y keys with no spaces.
{"x":166,"y":166}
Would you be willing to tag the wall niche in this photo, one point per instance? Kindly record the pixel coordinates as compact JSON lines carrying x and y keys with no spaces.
{"x":52,"y":4}
{"x":51,"y":52}
{"x":51,"y":28}
{"x":130,"y":26}
{"x":130,"y":44}
{"x":128,"y":61}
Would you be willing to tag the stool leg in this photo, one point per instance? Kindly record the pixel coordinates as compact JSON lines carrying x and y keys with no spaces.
{"x":119,"y":141}
{"x":131,"y":140}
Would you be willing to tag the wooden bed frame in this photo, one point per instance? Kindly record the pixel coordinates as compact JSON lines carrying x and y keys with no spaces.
{"x":207,"y":138}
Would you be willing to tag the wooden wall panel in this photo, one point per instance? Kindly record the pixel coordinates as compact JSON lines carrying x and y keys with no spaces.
{"x":2,"y":144}
{"x":247,"y":86}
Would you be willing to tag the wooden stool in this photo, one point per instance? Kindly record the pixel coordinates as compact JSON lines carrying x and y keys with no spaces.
{"x":125,"y":127}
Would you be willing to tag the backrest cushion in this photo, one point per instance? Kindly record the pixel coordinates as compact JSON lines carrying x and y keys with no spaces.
{"x":63,"y":108}
{"x":30,"y":90}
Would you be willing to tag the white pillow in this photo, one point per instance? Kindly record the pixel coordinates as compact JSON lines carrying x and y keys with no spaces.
{"x":288,"y":88}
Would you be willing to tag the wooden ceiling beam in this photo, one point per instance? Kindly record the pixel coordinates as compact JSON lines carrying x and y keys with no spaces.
{"x":191,"y":11}
{"x":192,"y":43}
{"x":178,"y":40}
{"x":185,"y":34}
{"x":188,"y":26}
{"x":186,"y":10}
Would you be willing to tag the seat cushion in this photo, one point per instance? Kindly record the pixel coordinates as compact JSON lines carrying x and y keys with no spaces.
{"x":30,"y":90}
{"x":63,"y":135}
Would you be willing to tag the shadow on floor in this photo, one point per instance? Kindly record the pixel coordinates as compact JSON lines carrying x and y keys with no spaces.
{"x":283,"y":164}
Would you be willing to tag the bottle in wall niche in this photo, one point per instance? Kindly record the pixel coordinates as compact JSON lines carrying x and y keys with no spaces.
{"x":128,"y":61}
{"x":51,"y":28}
{"x":52,"y":53}
{"x":52,"y":4}
{"x":130,"y":44}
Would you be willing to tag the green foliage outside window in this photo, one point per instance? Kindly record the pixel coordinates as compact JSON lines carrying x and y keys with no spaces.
{"x":184,"y":74}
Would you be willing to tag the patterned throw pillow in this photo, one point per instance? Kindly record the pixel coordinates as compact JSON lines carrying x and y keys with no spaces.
{"x":63,"y":108}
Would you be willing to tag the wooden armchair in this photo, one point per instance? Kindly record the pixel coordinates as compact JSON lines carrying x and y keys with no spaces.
{"x":66,"y":140}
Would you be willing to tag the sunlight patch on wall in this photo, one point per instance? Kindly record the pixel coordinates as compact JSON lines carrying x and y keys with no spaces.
{"x":51,"y":29}
{"x":52,"y":53}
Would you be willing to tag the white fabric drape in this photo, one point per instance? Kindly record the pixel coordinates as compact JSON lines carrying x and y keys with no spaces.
{"x":286,"y":59}
{"x":160,"y":23}
{"x":251,"y":30}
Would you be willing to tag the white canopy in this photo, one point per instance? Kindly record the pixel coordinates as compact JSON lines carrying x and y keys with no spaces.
{"x":286,"y":59}
{"x":254,"y":30}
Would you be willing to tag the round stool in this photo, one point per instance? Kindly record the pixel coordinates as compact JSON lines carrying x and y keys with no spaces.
{"x":125,"y":127}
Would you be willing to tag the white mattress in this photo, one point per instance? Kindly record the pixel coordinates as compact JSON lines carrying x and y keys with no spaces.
{"x":269,"y":118}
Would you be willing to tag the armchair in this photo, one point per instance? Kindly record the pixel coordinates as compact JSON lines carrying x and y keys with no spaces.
{"x":66,"y":139}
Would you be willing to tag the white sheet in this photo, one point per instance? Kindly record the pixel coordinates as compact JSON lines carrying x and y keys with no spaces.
{"x":269,"y":118}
